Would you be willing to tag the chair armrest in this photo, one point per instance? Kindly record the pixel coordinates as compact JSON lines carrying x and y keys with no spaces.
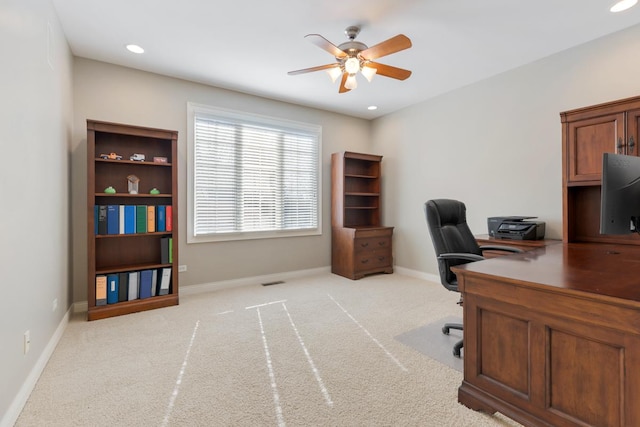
{"x":466,"y":256}
{"x":501,"y":248}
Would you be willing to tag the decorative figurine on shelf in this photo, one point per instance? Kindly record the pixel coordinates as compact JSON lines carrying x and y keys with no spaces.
{"x":133,"y":184}
{"x":111,"y":156}
{"x":137,"y":157}
{"x":110,"y":190}
{"x":154,"y":191}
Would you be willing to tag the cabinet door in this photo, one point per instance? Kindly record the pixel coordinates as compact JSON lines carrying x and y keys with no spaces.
{"x":633,"y":124}
{"x":588,"y":140}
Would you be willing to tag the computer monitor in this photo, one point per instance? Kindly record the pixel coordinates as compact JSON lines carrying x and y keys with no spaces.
{"x":620,"y":194}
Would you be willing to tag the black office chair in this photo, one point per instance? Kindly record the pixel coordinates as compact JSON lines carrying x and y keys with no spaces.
{"x":454,"y":245}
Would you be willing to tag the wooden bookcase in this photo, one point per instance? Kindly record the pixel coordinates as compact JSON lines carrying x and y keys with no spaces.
{"x":139,"y":251}
{"x":360,"y":244}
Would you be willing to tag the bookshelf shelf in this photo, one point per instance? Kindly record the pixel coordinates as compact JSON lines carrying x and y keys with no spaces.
{"x":146,"y":262}
{"x":133,"y":235}
{"x":129,"y":268}
{"x":133,"y":196}
{"x":132,"y":162}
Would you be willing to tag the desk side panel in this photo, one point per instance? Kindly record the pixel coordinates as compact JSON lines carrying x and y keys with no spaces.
{"x":543,"y":357}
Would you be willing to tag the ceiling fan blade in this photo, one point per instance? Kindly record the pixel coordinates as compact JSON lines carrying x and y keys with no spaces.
{"x":325,"y":44}
{"x":343,"y":88}
{"x":389,"y":71}
{"x":387,"y":47}
{"x":309,"y":70}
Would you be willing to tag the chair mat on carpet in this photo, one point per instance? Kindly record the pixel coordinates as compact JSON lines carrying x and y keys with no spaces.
{"x":430,"y":341}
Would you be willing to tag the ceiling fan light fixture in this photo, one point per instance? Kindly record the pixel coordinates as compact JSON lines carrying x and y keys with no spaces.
{"x":351,"y":82}
{"x":334,"y":73}
{"x":353,"y":57}
{"x":352,"y":65}
{"x":368,"y":73}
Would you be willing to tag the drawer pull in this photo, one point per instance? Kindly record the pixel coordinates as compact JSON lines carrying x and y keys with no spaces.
{"x":380,"y":258}
{"x":365,"y":261}
{"x":365,"y":244}
{"x":382,"y":243}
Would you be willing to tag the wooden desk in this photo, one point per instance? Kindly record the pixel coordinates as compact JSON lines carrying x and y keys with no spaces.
{"x":552,"y":336}
{"x":525,"y":245}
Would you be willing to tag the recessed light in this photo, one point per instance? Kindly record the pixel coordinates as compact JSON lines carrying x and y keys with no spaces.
{"x":623,"y":5}
{"x":372,"y":107}
{"x":137,"y":49}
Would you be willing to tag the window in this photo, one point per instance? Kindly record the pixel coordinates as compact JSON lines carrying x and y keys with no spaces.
{"x":251,"y":176}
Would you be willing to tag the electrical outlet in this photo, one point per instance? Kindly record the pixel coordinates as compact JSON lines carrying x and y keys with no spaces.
{"x":27,"y":341}
{"x":182,"y":268}
{"x":55,"y":304}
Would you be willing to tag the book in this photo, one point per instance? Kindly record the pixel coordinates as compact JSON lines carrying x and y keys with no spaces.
{"x":165,"y":281}
{"x":141,"y":219}
{"x":133,"y":285}
{"x":102,"y":219}
{"x":113,"y":219}
{"x":101,"y":290}
{"x":164,"y":250}
{"x":154,"y":283}
{"x":168,"y":218}
{"x":161,"y":218}
{"x":151,"y":219}
{"x":112,"y":288}
{"x":145,"y":283}
{"x":170,"y":250}
{"x":123,"y":286}
{"x":129,"y":219}
{"x":121,"y":218}
{"x":96,"y":210}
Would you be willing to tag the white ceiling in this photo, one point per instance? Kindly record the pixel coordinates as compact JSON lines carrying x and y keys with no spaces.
{"x":249,"y":45}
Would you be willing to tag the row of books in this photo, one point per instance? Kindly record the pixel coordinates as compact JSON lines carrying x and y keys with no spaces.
{"x":132,"y":285}
{"x":132,"y":219}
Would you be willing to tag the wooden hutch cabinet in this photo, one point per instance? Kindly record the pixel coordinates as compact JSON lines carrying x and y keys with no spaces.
{"x":132,"y":235}
{"x":588,"y":133}
{"x":360,"y":244}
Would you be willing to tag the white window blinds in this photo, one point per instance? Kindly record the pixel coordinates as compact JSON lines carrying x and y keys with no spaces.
{"x":254,"y":175}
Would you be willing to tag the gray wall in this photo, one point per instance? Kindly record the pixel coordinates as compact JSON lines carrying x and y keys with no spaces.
{"x":496,"y":144}
{"x":113,"y":93}
{"x":35,"y":130}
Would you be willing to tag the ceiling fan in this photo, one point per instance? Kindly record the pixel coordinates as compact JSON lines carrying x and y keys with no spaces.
{"x":353,"y":56}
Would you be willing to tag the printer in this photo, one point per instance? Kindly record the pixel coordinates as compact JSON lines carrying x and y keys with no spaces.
{"x":516,"y":227}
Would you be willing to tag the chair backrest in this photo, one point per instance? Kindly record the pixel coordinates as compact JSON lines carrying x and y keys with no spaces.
{"x":450,"y":233}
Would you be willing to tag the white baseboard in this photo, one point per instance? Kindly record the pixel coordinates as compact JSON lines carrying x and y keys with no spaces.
{"x":255,"y":280}
{"x":417,"y":274}
{"x":12,"y":414}
{"x":80,"y":307}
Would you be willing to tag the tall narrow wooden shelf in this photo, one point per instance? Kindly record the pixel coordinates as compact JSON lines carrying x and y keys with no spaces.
{"x":360,"y":245}
{"x":125,"y":253}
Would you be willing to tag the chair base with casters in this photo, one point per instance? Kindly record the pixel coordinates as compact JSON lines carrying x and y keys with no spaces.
{"x":454,"y":244}
{"x":445,"y":330}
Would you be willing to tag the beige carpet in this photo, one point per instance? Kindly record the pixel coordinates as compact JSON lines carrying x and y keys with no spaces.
{"x":317,"y":351}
